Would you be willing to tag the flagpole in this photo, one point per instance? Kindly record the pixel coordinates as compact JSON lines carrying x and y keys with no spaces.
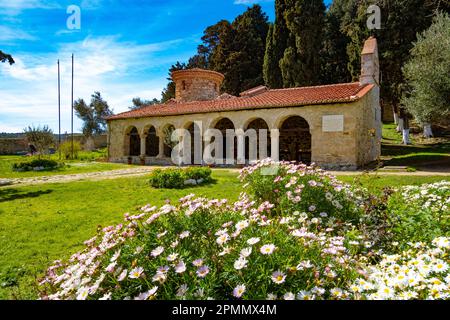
{"x":59,"y":113}
{"x":71,"y":102}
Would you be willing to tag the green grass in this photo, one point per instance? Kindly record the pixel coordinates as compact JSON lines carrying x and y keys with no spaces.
{"x":376,"y":183}
{"x":39,"y":224}
{"x":420,"y":153}
{"x":72,"y":167}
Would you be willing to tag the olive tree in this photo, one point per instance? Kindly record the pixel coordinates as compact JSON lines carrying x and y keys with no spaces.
{"x":427,"y":74}
{"x":41,"y":138}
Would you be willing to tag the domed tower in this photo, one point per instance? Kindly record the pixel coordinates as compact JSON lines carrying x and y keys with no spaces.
{"x":196,"y":84}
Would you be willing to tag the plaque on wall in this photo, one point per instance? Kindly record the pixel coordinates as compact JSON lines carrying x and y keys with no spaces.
{"x":333,"y":123}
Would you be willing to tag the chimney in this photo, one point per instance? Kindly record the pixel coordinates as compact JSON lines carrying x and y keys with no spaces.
{"x":370,"y":67}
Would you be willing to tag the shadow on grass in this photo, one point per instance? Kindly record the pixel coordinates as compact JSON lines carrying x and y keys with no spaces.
{"x":420,"y":160}
{"x":400,"y":150}
{"x":11,"y":194}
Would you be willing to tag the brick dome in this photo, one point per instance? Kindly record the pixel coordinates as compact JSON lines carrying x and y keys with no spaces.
{"x":196,"y":84}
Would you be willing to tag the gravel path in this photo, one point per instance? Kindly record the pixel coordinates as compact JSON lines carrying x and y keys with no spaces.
{"x":93,"y":176}
{"x":140,"y":171}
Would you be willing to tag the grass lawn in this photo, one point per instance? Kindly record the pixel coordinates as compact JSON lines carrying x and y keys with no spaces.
{"x":39,"y":224}
{"x":421,"y":153}
{"x":72,"y":167}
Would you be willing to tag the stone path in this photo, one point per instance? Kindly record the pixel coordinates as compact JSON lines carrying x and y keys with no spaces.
{"x":140,"y":171}
{"x":92,"y":176}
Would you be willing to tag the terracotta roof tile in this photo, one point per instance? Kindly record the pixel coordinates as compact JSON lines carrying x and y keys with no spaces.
{"x":336,"y":93}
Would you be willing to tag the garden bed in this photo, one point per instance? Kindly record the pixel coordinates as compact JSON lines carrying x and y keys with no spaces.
{"x":298,"y":234}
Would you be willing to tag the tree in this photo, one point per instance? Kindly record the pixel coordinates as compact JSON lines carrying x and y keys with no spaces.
{"x":169,"y":92}
{"x":235,"y":49}
{"x":275,"y":47}
{"x":139,"y":103}
{"x":41,"y":138}
{"x":427,"y":74}
{"x":301,"y":63}
{"x":246,"y":62}
{"x":4,"y":57}
{"x":335,"y":42}
{"x":93,"y":115}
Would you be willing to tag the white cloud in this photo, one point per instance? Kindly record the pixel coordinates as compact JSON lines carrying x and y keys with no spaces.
{"x":249,"y":2}
{"x":15,"y":7}
{"x":7,"y":34}
{"x":119,"y":70}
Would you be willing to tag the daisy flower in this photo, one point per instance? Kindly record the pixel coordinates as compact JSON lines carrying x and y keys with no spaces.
{"x":239,"y":291}
{"x":267,"y":249}
{"x":253,"y":241}
{"x":278,"y":277}
{"x":197,"y":262}
{"x":82,"y":293}
{"x":122,"y":275}
{"x":289,"y":296}
{"x":202,"y":271}
{"x":157,"y":251}
{"x":246,"y":252}
{"x":182,"y":290}
{"x":172,"y":257}
{"x":222,"y":238}
{"x":136,"y":273}
{"x":180,"y":267}
{"x":240,"y":263}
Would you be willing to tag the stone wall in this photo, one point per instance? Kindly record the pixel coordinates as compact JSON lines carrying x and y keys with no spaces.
{"x":196,"y":84}
{"x":13,"y":146}
{"x":19,"y":145}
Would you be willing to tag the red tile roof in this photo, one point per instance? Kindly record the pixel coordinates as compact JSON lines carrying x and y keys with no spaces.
{"x":336,"y":93}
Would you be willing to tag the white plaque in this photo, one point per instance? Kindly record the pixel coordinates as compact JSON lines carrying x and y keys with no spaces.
{"x":334,"y":123}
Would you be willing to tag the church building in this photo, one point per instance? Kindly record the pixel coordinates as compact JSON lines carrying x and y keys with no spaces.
{"x":336,"y":126}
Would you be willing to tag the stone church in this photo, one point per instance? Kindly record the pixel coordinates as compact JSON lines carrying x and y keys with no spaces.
{"x":336,"y":126}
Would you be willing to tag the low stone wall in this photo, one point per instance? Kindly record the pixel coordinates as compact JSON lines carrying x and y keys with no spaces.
{"x":13,"y":146}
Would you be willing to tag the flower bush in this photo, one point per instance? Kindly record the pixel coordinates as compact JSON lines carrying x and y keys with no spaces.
{"x":297,"y":187}
{"x":421,"y":272}
{"x":264,"y":246}
{"x":176,"y":178}
{"x":420,"y":213}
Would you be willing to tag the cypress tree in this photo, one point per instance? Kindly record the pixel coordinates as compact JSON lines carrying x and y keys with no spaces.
{"x":334,"y":51}
{"x":301,"y":63}
{"x":276,"y":47}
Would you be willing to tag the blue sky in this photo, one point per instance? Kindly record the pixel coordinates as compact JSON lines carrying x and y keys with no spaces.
{"x":123,"y":49}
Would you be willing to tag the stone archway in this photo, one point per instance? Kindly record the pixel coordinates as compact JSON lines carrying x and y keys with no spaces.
{"x":168,"y":144}
{"x":222,"y":125}
{"x":151,"y":142}
{"x":257,"y":125}
{"x":191,"y":128}
{"x":133,"y":145}
{"x":295,"y":140}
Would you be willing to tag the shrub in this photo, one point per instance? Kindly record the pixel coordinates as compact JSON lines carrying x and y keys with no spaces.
{"x":66,"y":149}
{"x":41,"y":164}
{"x":167,"y":178}
{"x":198,"y":173}
{"x":176,"y":178}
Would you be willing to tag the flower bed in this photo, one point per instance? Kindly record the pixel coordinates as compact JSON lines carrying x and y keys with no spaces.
{"x":256,"y":248}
